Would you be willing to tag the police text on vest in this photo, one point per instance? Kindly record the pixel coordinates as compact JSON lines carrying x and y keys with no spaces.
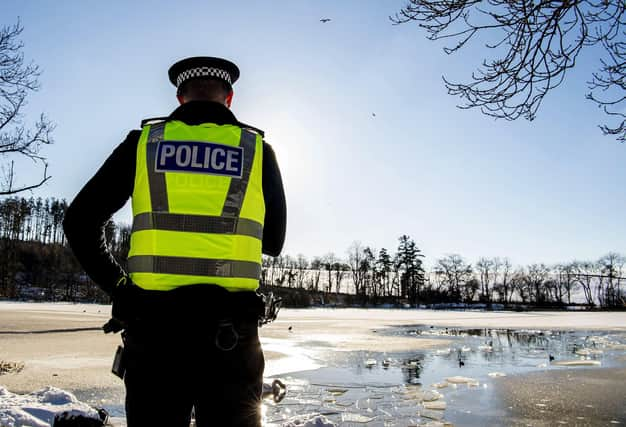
{"x":199,"y":157}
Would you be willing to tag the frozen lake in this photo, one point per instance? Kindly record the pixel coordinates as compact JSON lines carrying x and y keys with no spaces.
{"x":368,"y":367}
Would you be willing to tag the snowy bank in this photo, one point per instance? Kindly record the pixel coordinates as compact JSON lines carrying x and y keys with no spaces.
{"x":39,"y":408}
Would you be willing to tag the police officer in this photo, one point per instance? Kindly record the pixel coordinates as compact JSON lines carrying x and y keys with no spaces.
{"x":207,"y":200}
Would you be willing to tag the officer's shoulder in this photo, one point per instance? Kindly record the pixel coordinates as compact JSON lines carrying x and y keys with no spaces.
{"x":153,"y":120}
{"x":132,"y":138}
{"x":128,"y":147}
{"x":251,"y":128}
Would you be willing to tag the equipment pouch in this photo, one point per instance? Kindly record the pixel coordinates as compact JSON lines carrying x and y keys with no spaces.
{"x":119,"y":365}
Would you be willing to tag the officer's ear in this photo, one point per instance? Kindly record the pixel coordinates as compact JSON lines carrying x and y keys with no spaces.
{"x":229,"y":99}
{"x":181,"y":99}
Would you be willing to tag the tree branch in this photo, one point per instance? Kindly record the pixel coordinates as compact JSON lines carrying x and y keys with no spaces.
{"x":17,"y":80}
{"x":533,"y":45}
{"x":10,"y":190}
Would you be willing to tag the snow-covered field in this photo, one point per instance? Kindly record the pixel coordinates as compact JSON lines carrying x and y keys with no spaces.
{"x":61,"y":345}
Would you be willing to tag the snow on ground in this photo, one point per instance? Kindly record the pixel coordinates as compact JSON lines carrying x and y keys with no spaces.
{"x":372,"y":318}
{"x":376,"y":318}
{"x":39,"y":408}
{"x":53,"y":306}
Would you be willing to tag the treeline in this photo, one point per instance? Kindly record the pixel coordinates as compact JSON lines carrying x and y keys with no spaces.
{"x":35,"y":262}
{"x":380,"y":276}
{"x":372,"y":276}
{"x":594,"y":283}
{"x":32,"y":219}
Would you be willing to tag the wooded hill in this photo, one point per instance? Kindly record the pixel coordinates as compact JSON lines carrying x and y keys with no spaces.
{"x":36,"y":263}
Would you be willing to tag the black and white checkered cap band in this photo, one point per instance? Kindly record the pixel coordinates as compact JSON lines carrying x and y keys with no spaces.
{"x":203,"y":72}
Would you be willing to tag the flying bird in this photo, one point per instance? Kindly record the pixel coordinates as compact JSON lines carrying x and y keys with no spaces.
{"x":324,"y":20}
{"x":373,"y":114}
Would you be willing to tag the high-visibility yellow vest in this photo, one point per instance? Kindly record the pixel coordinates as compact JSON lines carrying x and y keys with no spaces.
{"x":198,"y":207}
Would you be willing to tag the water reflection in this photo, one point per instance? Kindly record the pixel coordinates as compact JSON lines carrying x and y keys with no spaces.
{"x":515,"y":348}
{"x":412,"y":369}
{"x":399,"y":388}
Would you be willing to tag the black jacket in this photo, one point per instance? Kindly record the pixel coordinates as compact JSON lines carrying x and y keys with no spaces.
{"x":112,"y":186}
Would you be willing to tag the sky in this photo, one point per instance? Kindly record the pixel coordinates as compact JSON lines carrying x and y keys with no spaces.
{"x":456,"y":181}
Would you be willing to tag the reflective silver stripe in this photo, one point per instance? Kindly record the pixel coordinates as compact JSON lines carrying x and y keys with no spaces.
{"x":238,"y":187}
{"x":156,"y":180}
{"x":197,"y":224}
{"x":194,"y":266}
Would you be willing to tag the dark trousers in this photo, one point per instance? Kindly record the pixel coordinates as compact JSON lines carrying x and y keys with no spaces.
{"x":171,"y":370}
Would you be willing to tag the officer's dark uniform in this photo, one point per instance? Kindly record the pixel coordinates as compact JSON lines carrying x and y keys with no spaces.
{"x":196,"y":345}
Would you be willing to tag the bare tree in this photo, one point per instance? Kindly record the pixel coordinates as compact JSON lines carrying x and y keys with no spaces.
{"x":487,"y":271}
{"x":608,"y":84}
{"x":396,"y":282}
{"x":455,"y":273}
{"x":302,"y":264}
{"x":566,"y":280}
{"x":611,"y":266}
{"x":278,"y":271}
{"x":368,"y":269}
{"x":17,"y":81}
{"x":585,"y":272}
{"x":328,"y":262}
{"x":339,"y":270}
{"x":356,"y":255}
{"x":533,"y":44}
{"x":503,"y":273}
{"x":289,"y":270}
{"x":551,"y":289}
{"x":470,"y":289}
{"x":316,"y":272}
{"x":520,"y":283}
{"x":536,"y":276}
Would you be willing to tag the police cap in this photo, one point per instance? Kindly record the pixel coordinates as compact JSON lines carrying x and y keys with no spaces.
{"x":203,"y":66}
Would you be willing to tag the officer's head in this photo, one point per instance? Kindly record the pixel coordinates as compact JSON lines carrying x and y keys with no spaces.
{"x":205,"y":89}
{"x":204,"y":78}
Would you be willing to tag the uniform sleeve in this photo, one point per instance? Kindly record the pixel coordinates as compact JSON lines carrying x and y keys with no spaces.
{"x":85,"y":219}
{"x":275,"y":205}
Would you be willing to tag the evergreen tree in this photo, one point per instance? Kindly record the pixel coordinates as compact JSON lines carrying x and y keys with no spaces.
{"x":410,"y":262}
